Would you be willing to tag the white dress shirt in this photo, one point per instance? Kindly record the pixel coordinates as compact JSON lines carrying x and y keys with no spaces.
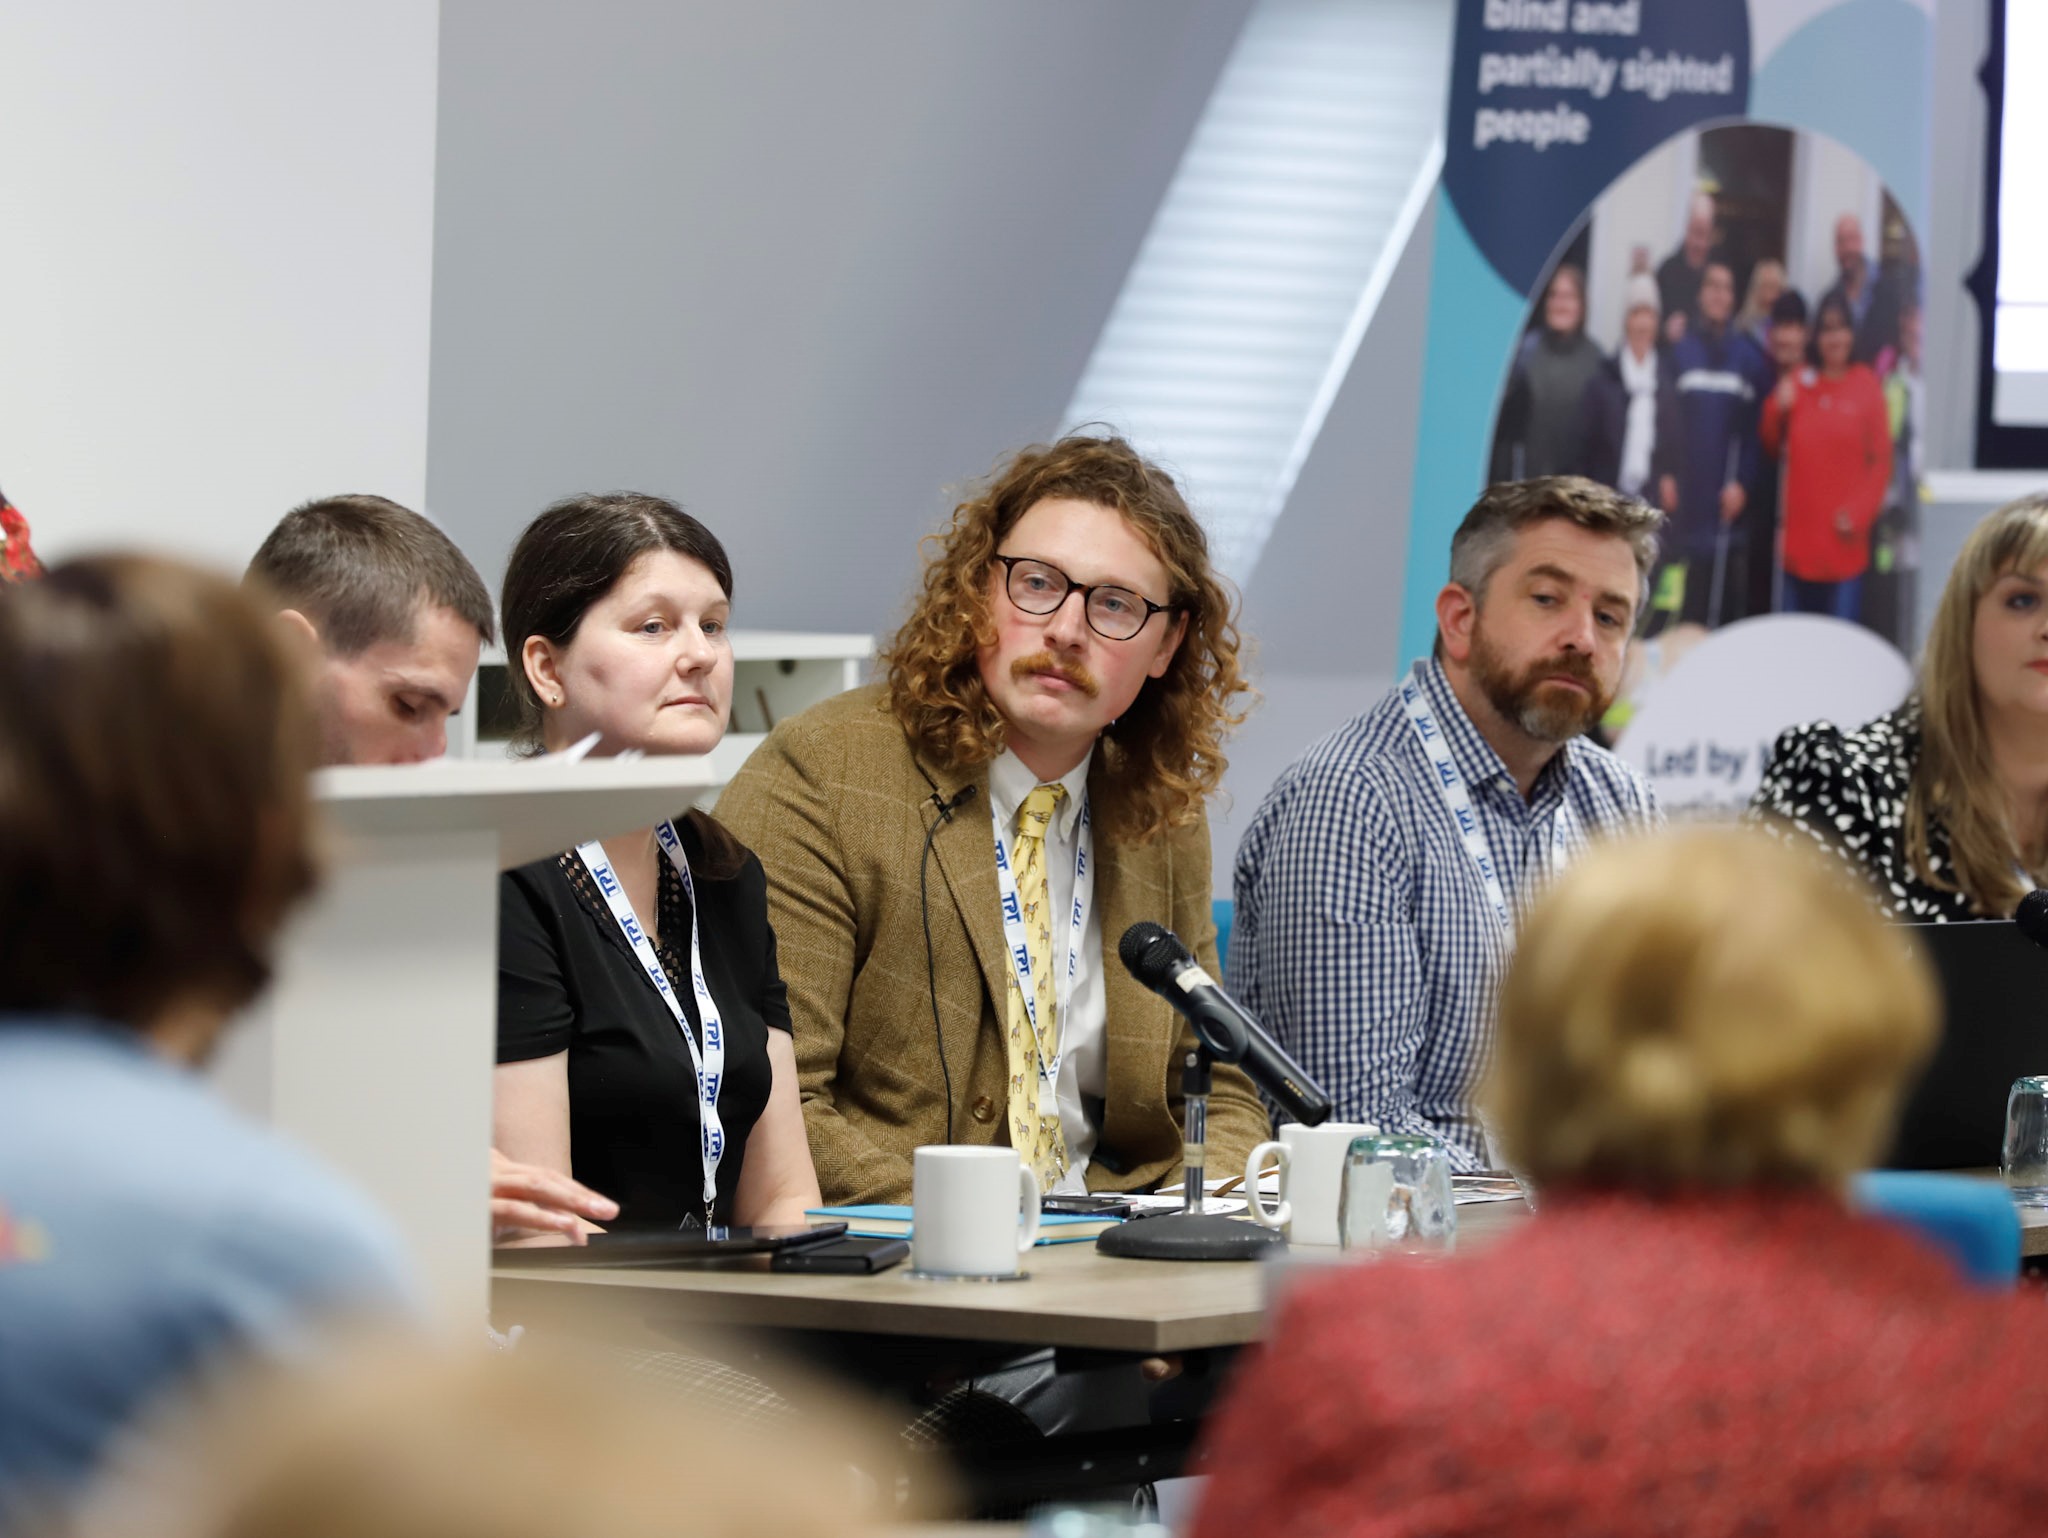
{"x":1639,"y":435}
{"x":1083,"y":1060}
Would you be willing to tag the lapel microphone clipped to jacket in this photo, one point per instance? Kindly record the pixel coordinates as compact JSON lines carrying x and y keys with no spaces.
{"x":946,"y":808}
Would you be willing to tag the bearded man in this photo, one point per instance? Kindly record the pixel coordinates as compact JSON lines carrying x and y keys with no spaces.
{"x":1379,"y":886}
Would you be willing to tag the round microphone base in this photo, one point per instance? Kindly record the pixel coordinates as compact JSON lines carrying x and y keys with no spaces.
{"x":1190,"y":1236}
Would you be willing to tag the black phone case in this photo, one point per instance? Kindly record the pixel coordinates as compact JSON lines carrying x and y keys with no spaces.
{"x":853,"y":1255}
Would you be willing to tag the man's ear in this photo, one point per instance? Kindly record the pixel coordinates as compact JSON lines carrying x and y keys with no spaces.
{"x":301,"y":635}
{"x":542,"y":667}
{"x":1456,"y":613}
{"x":1168,"y":647}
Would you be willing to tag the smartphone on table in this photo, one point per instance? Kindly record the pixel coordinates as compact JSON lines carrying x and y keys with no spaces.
{"x":850,"y":1255}
{"x":1085,"y":1205}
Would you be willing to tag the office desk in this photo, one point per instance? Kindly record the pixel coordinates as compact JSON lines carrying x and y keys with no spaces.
{"x":1073,"y":1297}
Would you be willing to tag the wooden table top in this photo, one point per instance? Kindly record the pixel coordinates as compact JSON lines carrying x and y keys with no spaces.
{"x":1072,"y":1296}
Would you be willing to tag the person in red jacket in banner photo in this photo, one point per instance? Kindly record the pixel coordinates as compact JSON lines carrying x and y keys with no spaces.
{"x":1830,"y":424}
{"x":17,"y":559}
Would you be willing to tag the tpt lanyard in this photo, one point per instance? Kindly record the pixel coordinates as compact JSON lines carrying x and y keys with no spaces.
{"x":1020,"y":953}
{"x":709,"y":1061}
{"x":1459,"y":801}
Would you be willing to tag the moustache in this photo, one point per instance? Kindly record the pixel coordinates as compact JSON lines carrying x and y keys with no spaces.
{"x":1045,"y":662}
{"x":1564,"y":665}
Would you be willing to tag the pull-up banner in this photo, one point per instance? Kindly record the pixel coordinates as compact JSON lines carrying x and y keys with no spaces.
{"x":1551,"y":100}
{"x":1677,"y":251}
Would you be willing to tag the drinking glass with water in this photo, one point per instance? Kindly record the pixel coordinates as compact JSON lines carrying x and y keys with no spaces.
{"x":1396,"y":1196}
{"x":2025,"y":1165}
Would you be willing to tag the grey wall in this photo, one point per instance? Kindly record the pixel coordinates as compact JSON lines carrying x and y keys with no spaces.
{"x":800,"y":266}
{"x":1324,"y":605}
{"x":215,"y":280}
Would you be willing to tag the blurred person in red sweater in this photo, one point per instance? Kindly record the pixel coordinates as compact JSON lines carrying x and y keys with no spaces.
{"x":1830,"y":424}
{"x":1701,"y":1036}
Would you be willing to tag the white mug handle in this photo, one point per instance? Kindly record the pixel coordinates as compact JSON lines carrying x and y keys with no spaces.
{"x":1281,"y":1213}
{"x":1027,"y":1196}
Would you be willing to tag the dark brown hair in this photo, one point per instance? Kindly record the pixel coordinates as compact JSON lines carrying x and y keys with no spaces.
{"x":155,"y":817}
{"x":565,"y":562}
{"x":358,"y":568}
{"x":1830,"y":304}
{"x":1504,"y":509}
{"x":1578,"y":277}
{"x":1164,"y":756}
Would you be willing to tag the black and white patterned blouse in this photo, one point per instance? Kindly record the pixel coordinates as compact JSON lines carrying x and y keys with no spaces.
{"x":1847,"y":791}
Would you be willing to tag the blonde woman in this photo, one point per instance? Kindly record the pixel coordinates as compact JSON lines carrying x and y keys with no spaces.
{"x":1701,"y":1036}
{"x":1766,"y":283}
{"x":1943,"y":803}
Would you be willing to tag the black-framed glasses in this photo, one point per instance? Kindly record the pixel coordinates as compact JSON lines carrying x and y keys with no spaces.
{"x":1114,"y":613}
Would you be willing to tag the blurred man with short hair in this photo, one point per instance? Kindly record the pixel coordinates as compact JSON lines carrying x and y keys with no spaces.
{"x":394,"y":612}
{"x":394,"y":618}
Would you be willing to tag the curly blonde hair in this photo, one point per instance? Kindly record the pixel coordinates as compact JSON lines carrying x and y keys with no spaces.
{"x":1163,"y":757}
{"x":1706,"y":1007}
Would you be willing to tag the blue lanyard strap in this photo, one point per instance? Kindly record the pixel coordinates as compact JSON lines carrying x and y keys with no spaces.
{"x":708,"y":1061}
{"x":1458,"y":801}
{"x":1020,"y":953}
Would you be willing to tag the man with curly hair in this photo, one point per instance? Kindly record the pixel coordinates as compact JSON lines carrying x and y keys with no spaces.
{"x":953,"y":853}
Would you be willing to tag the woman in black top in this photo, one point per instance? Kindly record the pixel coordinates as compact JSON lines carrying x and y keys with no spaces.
{"x":1944,"y":802}
{"x":615,"y":611}
{"x":1542,"y":419}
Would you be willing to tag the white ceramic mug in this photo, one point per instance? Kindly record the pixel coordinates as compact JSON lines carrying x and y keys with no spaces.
{"x":1311,"y":1179}
{"x":973,"y":1211}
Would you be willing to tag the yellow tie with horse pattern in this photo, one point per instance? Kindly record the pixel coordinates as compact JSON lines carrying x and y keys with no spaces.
{"x":1035,"y":1125}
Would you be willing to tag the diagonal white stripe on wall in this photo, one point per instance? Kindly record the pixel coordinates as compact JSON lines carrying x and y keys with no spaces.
{"x":1246,"y":302}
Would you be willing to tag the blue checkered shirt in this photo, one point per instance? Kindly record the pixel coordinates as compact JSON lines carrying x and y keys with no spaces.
{"x":1364,"y":939}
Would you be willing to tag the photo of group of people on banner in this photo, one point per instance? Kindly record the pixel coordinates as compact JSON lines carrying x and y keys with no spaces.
{"x":1754,"y":371}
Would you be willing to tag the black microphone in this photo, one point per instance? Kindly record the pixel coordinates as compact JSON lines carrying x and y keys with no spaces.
{"x":2032,"y":916}
{"x":960,"y":798}
{"x":1155,"y":956}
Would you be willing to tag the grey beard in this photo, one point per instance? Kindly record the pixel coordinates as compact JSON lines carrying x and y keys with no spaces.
{"x":1548,"y":723}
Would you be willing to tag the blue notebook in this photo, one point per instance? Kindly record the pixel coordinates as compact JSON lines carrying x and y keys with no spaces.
{"x":886,"y":1221}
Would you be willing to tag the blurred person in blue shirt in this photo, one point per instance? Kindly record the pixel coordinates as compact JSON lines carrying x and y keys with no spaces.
{"x":155,"y":831}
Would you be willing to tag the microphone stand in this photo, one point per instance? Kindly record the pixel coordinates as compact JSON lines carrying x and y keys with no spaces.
{"x":1191,"y":1233}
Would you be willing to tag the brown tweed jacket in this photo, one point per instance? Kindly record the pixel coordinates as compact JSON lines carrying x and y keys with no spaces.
{"x":837,"y":807}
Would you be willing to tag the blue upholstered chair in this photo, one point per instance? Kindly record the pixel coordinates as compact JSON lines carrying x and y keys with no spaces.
{"x":1226,"y":914}
{"x":1972,"y":1219}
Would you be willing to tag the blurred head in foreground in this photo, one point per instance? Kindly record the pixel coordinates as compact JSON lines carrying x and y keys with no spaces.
{"x":1705,"y":1008}
{"x":412,"y":1443}
{"x":155,"y":826}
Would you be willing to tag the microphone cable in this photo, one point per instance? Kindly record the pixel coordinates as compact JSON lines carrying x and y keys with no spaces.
{"x":931,"y":969}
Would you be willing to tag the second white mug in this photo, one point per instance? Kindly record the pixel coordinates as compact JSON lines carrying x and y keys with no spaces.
{"x":1311,"y":1163}
{"x":973,"y":1211}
